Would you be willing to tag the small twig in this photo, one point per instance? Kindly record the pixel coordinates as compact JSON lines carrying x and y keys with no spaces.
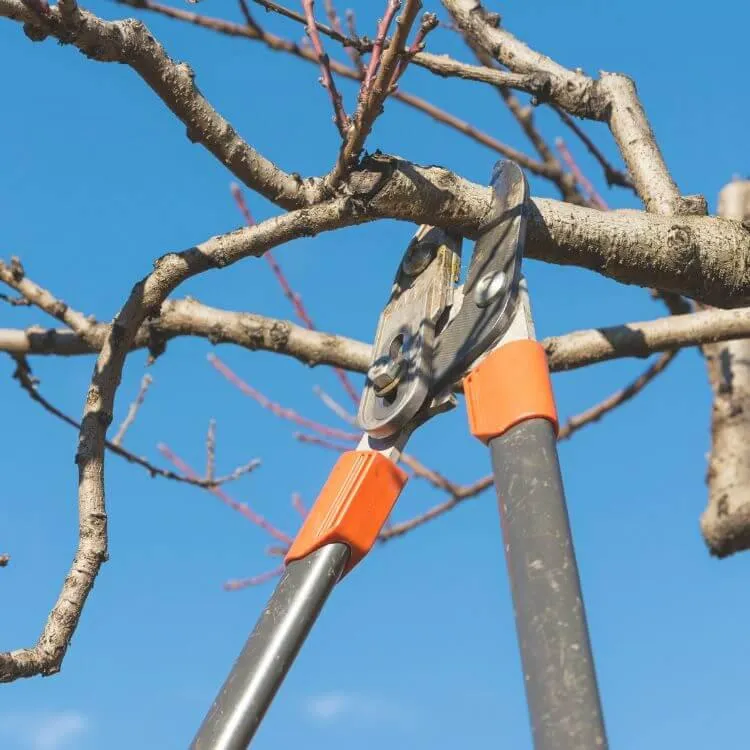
{"x":326,"y":79}
{"x":354,"y":53}
{"x":133,"y":409}
{"x":15,"y":301}
{"x":594,"y":199}
{"x":14,"y":275}
{"x":27,"y":382}
{"x":335,"y":407}
{"x":242,"y":508}
{"x":296,"y":300}
{"x":303,"y":437}
{"x":611,"y":175}
{"x":243,"y":583}
{"x":275,"y":408}
{"x":429,"y":22}
{"x":433,"y":477}
{"x":391,"y":9}
{"x":298,"y":505}
{"x":249,"y":20}
{"x":333,"y":16}
{"x":211,"y":449}
{"x":596,"y":412}
{"x":235,"y":474}
{"x":273,"y":550}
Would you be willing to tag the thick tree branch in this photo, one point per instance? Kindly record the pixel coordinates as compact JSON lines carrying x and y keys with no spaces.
{"x":570,"y":351}
{"x":131,"y":43}
{"x":726,"y":521}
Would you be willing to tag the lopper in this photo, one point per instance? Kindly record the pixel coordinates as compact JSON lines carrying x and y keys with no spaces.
{"x":431,"y":335}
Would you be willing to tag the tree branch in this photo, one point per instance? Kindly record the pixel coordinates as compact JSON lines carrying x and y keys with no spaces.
{"x":46,"y":656}
{"x":612,"y":99}
{"x":27,"y":382}
{"x":131,"y":43}
{"x":726,"y":521}
{"x":280,"y":44}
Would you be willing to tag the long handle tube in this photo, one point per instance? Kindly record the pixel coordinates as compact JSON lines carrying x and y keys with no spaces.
{"x":269,"y":652}
{"x":561,"y":687}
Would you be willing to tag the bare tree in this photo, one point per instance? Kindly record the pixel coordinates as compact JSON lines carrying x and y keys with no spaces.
{"x":696,"y":264}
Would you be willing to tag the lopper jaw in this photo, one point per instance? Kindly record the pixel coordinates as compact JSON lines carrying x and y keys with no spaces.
{"x":432,"y":332}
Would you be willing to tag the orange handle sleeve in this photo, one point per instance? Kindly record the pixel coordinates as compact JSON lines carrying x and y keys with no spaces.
{"x":352,"y":507}
{"x":512,"y":384}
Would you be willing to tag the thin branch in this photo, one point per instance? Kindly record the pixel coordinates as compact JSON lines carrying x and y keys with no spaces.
{"x":15,"y":301}
{"x":321,"y":442}
{"x":242,"y":508}
{"x":14,"y":275}
{"x":391,"y":8}
{"x":611,"y":175}
{"x":249,"y":20}
{"x":339,"y":115}
{"x":594,"y":199}
{"x":28,"y":384}
{"x":278,"y":410}
{"x":429,"y":23}
{"x":435,"y":478}
{"x":211,"y":450}
{"x":133,"y":409}
{"x":243,"y":583}
{"x":293,"y":297}
{"x":335,"y":406}
{"x":596,"y":412}
{"x":298,"y":505}
{"x":354,"y":54}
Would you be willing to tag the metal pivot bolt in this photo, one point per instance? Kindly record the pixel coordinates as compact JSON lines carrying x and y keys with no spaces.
{"x":489,"y":287}
{"x":385,"y":373}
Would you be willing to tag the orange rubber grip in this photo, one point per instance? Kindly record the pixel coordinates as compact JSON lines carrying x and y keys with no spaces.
{"x":352,"y":507}
{"x":509,"y":386}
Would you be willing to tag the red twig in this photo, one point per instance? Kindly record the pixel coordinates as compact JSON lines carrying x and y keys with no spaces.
{"x":276,"y":551}
{"x":592,"y":195}
{"x":243,"y":583}
{"x":298,"y":505}
{"x":377,"y":47}
{"x":299,"y":307}
{"x":339,"y":115}
{"x":275,"y":408}
{"x":242,"y":508}
{"x":335,"y":406}
{"x":429,"y":22}
{"x":322,"y":442}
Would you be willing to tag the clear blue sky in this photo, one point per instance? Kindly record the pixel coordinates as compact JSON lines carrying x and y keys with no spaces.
{"x":417,"y":649}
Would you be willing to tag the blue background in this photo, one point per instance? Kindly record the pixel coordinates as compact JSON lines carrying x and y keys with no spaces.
{"x":418,"y":647}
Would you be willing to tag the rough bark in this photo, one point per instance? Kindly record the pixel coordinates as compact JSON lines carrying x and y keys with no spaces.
{"x":726,"y":521}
